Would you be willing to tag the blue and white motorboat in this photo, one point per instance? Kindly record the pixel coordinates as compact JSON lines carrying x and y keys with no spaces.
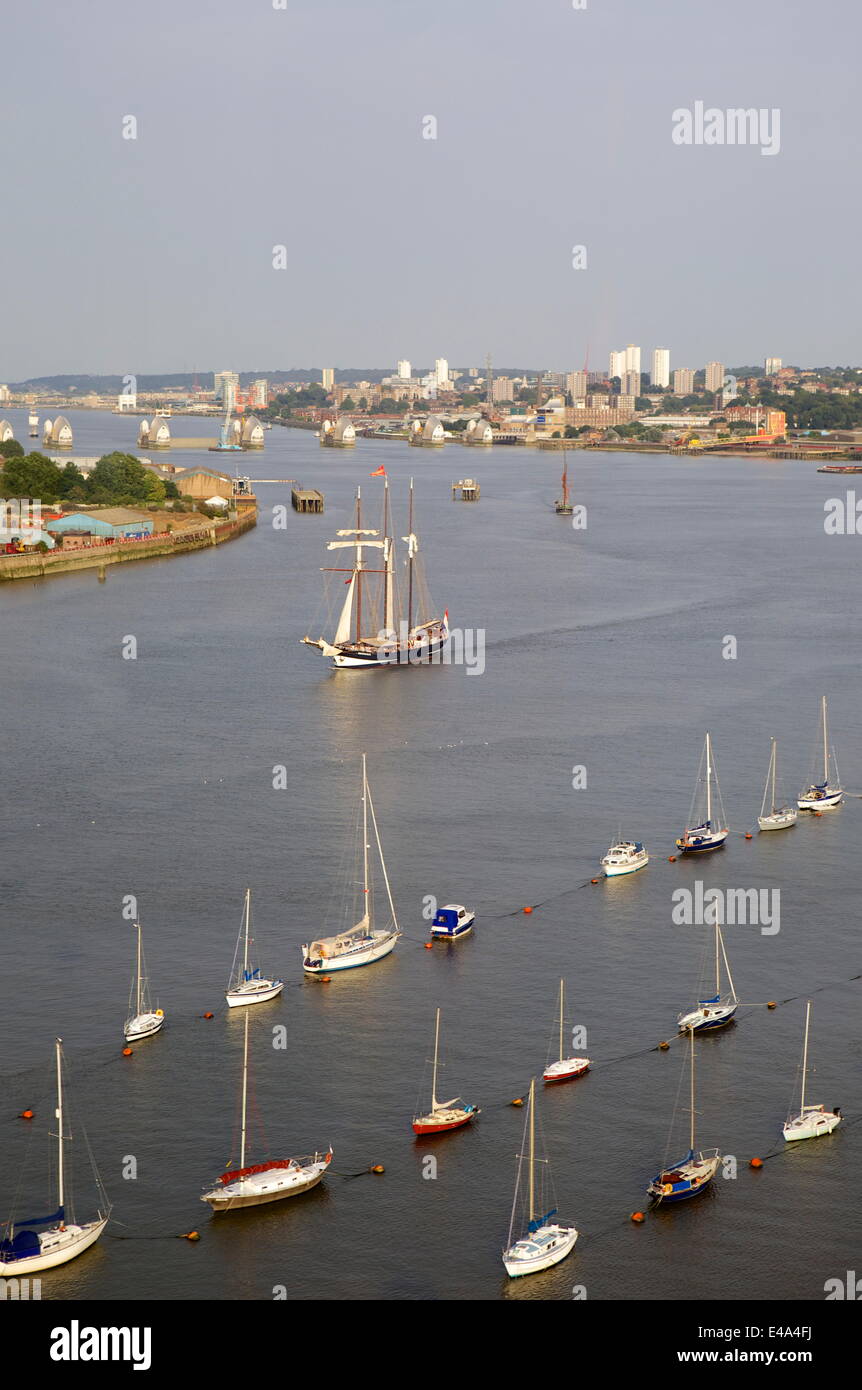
{"x":452,"y":921}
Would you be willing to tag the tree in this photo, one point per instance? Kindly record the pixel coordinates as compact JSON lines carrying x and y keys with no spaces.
{"x":348,"y":403}
{"x":34,"y":475}
{"x":10,"y":448}
{"x":123,"y":478}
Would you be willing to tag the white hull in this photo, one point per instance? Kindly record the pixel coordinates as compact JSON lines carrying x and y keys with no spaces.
{"x":711,"y":1016}
{"x":539,"y":1251}
{"x":811,"y":1124}
{"x":143,"y":1026}
{"x":624,"y":858}
{"x":616,"y":870}
{"x":259,"y":994}
{"x":58,"y":1247}
{"x":830,"y":799}
{"x":778,"y":820}
{"x":568,"y":1067}
{"x":381,"y":945}
{"x":271,"y":1186}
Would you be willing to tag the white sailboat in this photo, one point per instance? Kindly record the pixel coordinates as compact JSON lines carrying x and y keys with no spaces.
{"x":399,"y":640}
{"x":812,"y":1120}
{"x":263,"y":1182}
{"x":707,"y":829}
{"x":444,"y":1114}
{"x":143,"y":1020}
{"x":546,"y":1242}
{"x":777,"y":817}
{"x":365,"y":942}
{"x":247,"y":985}
{"x":564,"y":1068}
{"x":823,"y":796}
{"x":719,"y":1008}
{"x":693,"y":1174}
{"x":28,"y":1251}
{"x":33,"y":424}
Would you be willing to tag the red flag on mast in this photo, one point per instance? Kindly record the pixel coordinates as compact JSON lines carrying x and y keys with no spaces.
{"x":378,"y":472}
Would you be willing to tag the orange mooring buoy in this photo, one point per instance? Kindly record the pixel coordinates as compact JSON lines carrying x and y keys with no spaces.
{"x":671,"y":859}
{"x":637,"y":1217}
{"x":127,"y":1052}
{"x":756,"y":1163}
{"x":325,"y":979}
{"x":748,"y":835}
{"x":663,"y":1046}
{"x":188,"y":1235}
{"x":772,"y":1004}
{"x":429,"y":945}
{"x":528,"y":910}
{"x":26,"y":1115}
{"x":378,"y":1168}
{"x":208,"y":1015}
{"x":594,"y":880}
{"x":818,"y":813}
{"x":517,"y":1101}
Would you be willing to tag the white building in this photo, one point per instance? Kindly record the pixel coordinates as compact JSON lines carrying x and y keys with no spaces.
{"x":773,"y":365}
{"x":260,"y":393}
{"x":630,"y":383}
{"x":441,"y":372}
{"x":661,"y":367}
{"x":714,"y":376}
{"x":617,"y":364}
{"x":5,"y":393}
{"x":328,"y":378}
{"x":225,"y":387}
{"x":404,"y":369}
{"x":576,"y":385}
{"x":633,"y":358}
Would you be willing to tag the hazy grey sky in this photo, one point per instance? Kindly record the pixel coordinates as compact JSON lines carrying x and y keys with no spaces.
{"x":303,"y":126}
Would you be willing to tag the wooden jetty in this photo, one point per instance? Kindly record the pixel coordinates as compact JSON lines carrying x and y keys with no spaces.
{"x":306,"y":499}
{"x":468,"y":488}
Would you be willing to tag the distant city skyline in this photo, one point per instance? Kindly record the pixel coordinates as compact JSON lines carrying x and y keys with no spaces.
{"x":424,"y":188}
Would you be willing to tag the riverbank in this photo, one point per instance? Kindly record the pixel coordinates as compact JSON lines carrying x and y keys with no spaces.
{"x":42,"y":566}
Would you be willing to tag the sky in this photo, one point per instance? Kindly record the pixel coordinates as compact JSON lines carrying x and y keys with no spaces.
{"x":304,"y":126}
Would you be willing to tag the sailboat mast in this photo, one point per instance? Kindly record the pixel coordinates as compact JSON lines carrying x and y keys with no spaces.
{"x":138,"y":991}
{"x":825,"y":748}
{"x":691,"y":1143}
{"x":805,"y":1054}
{"x":708,"y":780}
{"x":358,"y":564}
{"x":532,"y":1148}
{"x":387,"y":560}
{"x":244,"y":1093}
{"x":410,"y":548}
{"x":245,"y":948}
{"x":60,"y":1174}
{"x":434,"y":1074}
{"x":774,"y":761}
{"x":717,"y":974}
{"x":365,"y":837}
{"x":561,"y":1020}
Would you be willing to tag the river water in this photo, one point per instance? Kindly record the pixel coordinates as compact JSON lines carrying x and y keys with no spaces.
{"x":604,"y":650}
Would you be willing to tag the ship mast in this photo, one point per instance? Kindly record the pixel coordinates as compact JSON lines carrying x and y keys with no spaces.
{"x":358,"y":564}
{"x":410,"y":549}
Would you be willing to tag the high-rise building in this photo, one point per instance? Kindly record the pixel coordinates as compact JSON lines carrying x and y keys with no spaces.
{"x":260,"y":393}
{"x":502,"y":388}
{"x":328,"y":378}
{"x":441,"y":371}
{"x":683,"y":381}
{"x":225,"y":387}
{"x":576,"y":385}
{"x":773,"y":365}
{"x":404,"y":369}
{"x":633,"y":358}
{"x":617,"y":364}
{"x":714,"y":376}
{"x":630,"y":382}
{"x":661,"y":367}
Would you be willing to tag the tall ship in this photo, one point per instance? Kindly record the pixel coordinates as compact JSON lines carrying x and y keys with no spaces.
{"x":378,"y":624}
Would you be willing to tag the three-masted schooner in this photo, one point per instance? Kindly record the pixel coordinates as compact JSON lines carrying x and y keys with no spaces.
{"x":403,"y":636}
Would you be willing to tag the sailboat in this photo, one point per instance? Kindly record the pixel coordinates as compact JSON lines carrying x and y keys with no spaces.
{"x":693,"y":1174}
{"x":546,"y":1241}
{"x":563,"y":506}
{"x":565,"y":1068}
{"x":812,"y":1120}
{"x":30,"y":1251}
{"x":399,"y":640}
{"x":777,"y":817}
{"x":263,"y":1182}
{"x":822,"y":796}
{"x":145,"y":1021}
{"x":719,"y":1008}
{"x":705,"y":833}
{"x":33,"y":424}
{"x":364,"y":943}
{"x":444,"y":1114}
{"x":247,"y":985}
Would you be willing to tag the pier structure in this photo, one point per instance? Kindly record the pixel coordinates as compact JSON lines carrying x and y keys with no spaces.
{"x":306,"y":499}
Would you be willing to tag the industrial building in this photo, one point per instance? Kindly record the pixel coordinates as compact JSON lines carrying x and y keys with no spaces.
{"x":203,"y":483}
{"x":102,"y":523}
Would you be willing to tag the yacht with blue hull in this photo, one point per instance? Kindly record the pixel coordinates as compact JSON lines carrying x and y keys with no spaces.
{"x":693,"y":1173}
{"x":719,"y":1008}
{"x":707,"y":828}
